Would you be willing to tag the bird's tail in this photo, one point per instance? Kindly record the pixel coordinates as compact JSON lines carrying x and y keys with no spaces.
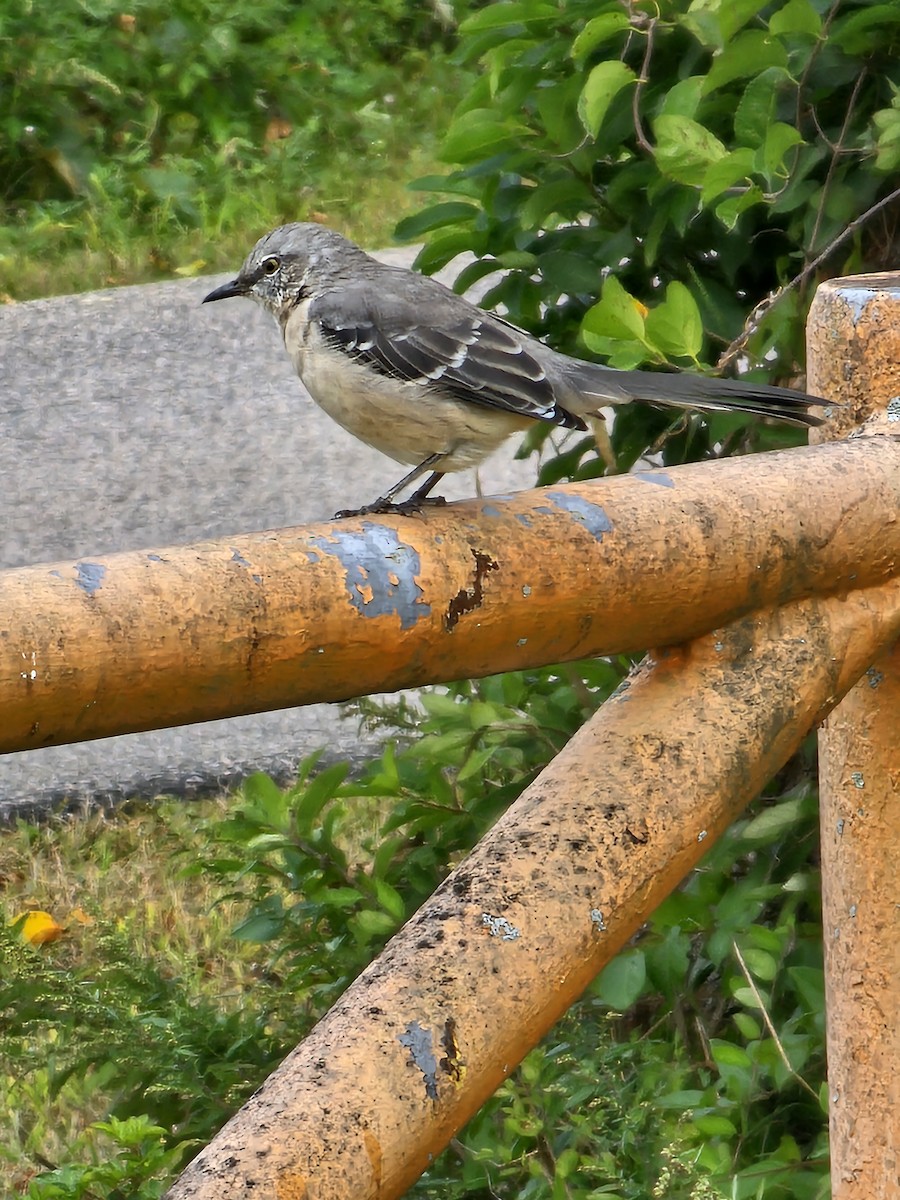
{"x":604,"y":386}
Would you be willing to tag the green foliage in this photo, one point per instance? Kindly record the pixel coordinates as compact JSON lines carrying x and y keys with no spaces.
{"x":693,"y":1066}
{"x":125,"y":1025}
{"x":119,"y":126}
{"x":645,"y":175}
{"x":712,"y":1077}
{"x":136,"y":1164}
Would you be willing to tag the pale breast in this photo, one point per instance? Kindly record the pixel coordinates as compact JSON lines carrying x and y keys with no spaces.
{"x":406,"y":421}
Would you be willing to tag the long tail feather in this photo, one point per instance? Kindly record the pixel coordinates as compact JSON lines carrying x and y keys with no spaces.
{"x":684,"y":390}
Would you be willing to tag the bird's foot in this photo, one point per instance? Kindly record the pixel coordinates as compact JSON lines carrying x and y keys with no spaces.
{"x":383,"y":507}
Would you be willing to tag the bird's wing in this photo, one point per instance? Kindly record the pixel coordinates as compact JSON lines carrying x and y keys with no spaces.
{"x":444,"y":342}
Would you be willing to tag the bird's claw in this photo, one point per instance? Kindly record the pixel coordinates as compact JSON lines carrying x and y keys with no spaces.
{"x":383,"y":507}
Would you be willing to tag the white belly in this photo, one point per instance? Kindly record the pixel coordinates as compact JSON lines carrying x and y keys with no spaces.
{"x":402,"y":420}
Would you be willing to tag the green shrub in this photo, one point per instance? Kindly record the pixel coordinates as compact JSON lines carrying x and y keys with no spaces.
{"x":125,"y":130}
{"x":693,"y":157}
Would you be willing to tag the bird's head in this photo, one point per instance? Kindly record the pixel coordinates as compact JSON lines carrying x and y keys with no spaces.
{"x":277,"y":271}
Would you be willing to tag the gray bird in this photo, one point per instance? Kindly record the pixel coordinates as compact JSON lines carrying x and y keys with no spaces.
{"x":416,"y":371}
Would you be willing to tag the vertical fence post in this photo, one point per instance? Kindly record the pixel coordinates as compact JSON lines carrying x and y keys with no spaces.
{"x":854,"y":358}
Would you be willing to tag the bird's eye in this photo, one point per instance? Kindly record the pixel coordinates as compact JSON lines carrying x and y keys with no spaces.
{"x":270,"y":266}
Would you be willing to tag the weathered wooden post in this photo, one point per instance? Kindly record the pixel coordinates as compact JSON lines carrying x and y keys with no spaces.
{"x":854,"y":357}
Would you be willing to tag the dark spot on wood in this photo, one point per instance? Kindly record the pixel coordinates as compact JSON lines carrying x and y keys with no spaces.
{"x":468,"y":599}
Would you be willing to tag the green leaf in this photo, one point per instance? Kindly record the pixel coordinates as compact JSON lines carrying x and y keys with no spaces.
{"x":334,"y":897}
{"x":685,"y":148}
{"x":681,"y":1100}
{"x":730,"y":209}
{"x":605,"y":81}
{"x":772,"y":822}
{"x":570,"y":272}
{"x":713,"y":1126}
{"x":390,"y":900}
{"x":675,"y":326}
{"x":267,"y":802}
{"x":810,"y":985}
{"x":622,"y":981}
{"x":475,"y":763}
{"x":451,"y":212}
{"x":748,"y":1026}
{"x":759,"y":963}
{"x":498,"y":16}
{"x":748,"y":54}
{"x":726,"y":1054}
{"x":477,"y":134}
{"x":615,"y":315}
{"x":317,"y":793}
{"x":797,"y":16}
{"x":757,"y":108}
{"x":720,"y":176}
{"x":597,"y":32}
{"x":471,"y":274}
{"x":866,"y":30}
{"x":565,"y":198}
{"x":261,"y":927}
{"x":770,"y":157}
{"x":715,"y":22}
{"x":557,"y":107}
{"x":683,"y":98}
{"x":370,"y":925}
{"x":440,"y":250}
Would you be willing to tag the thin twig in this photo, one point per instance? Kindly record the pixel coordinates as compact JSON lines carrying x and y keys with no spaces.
{"x":768,"y":1022}
{"x":836,"y":151}
{"x":755,"y":319}
{"x":643,"y":78}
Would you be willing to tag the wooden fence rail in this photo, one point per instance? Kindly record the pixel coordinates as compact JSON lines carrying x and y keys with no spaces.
{"x":149,"y":639}
{"x":774,"y":584}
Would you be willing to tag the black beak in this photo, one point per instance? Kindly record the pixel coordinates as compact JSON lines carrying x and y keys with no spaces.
{"x":225,"y":292}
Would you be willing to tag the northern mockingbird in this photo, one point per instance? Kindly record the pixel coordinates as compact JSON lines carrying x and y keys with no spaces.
{"x":416,"y":371}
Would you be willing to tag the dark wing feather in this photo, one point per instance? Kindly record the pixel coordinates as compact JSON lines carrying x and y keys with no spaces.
{"x":441,"y":342}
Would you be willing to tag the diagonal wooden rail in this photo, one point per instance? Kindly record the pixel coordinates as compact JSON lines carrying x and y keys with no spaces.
{"x":517,"y":931}
{"x":147,"y":639}
{"x":778,"y":577}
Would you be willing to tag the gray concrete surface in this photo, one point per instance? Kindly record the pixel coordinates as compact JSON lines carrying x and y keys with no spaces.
{"x":136,"y":418}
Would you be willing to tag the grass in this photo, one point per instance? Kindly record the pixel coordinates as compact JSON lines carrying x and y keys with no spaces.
{"x":151,"y":939}
{"x":60,"y":253}
{"x":102,"y":877}
{"x":82,"y":247}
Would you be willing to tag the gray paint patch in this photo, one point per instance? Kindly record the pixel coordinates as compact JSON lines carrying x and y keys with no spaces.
{"x":237,"y":557}
{"x":89,"y":576}
{"x":421,"y":1052}
{"x":499,"y":927}
{"x":380,"y":572}
{"x":591,"y":516}
{"x":858,"y":298}
{"x":659,"y":477}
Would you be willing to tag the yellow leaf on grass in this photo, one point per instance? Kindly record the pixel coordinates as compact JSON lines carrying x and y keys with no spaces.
{"x":39,"y":927}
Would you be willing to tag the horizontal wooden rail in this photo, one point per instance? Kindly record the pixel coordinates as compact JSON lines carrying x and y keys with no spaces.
{"x":142,"y":640}
{"x":515,"y":933}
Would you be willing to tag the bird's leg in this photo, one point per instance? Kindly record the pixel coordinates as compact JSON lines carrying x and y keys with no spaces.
{"x":387,"y":504}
